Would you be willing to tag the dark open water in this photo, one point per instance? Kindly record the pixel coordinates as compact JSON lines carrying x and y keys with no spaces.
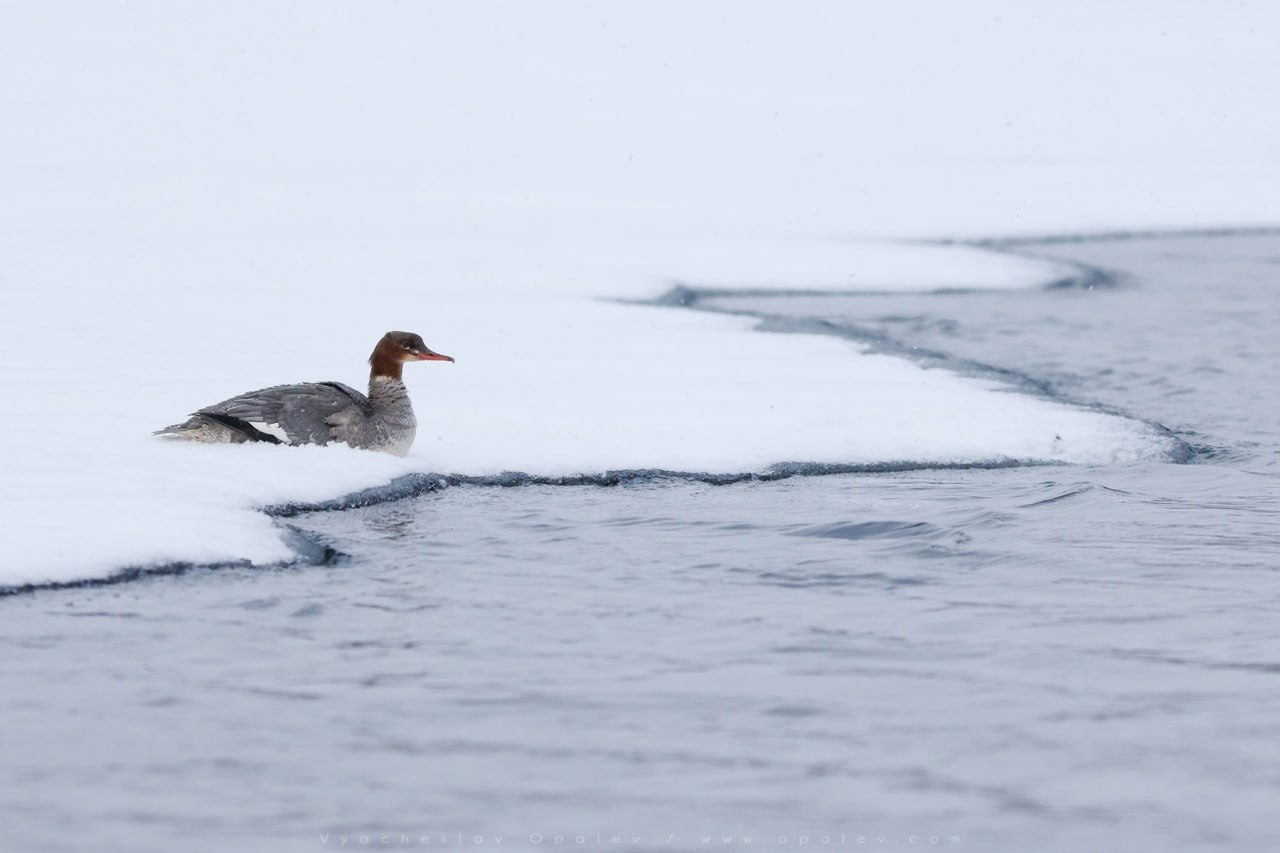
{"x":1047,"y":659}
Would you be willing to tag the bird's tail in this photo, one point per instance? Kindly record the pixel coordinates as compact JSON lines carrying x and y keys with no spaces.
{"x":214,"y":428}
{"x":186,"y":429}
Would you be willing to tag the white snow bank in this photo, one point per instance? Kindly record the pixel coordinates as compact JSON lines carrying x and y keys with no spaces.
{"x":195,"y":202}
{"x":546,"y":383}
{"x":117,"y":500}
{"x":611,"y":386}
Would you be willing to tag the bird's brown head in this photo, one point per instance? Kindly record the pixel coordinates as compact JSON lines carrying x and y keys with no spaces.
{"x":395,"y":349}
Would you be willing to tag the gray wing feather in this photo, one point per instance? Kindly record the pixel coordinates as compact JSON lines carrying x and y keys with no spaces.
{"x":308,"y":413}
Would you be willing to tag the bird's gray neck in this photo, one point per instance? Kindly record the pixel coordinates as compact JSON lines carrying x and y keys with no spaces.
{"x":392,"y":421}
{"x":385,"y":391}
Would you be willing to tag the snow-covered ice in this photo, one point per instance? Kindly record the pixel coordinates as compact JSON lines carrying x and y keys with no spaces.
{"x":198,"y":202}
{"x":549,"y":380}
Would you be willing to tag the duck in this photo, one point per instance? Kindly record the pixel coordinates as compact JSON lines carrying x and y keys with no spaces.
{"x":321,"y":412}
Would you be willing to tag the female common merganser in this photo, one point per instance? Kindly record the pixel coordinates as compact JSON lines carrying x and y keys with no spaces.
{"x":321,"y":412}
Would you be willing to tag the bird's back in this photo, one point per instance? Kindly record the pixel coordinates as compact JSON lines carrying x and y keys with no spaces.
{"x":304,"y":413}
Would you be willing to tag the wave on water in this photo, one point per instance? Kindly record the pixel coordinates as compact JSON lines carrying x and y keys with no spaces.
{"x":413,"y":485}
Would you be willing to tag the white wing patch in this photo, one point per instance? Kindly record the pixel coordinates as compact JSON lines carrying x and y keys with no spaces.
{"x":271,"y":429}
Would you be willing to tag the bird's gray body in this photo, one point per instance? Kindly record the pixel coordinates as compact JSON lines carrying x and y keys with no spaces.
{"x":309,"y":413}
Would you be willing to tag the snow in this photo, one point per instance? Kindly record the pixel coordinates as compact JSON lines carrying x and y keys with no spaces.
{"x":198,"y":201}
